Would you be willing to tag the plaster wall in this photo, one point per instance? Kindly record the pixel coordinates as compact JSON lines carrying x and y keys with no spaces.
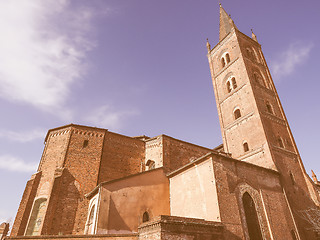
{"x":193,"y":193}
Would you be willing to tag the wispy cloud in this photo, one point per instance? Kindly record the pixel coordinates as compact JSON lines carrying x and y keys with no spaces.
{"x":107,"y":117}
{"x":14,"y":164}
{"x":287,"y":61}
{"x":43,"y":47}
{"x":24,"y":136}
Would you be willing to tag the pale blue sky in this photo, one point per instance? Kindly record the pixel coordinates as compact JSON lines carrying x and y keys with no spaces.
{"x":139,"y":67}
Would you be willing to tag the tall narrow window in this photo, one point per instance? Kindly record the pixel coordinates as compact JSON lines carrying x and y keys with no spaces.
{"x":234,"y":83}
{"x":36,"y":217}
{"x":223,"y":62}
{"x":253,"y":225}
{"x":227,"y":58}
{"x":237,"y":114}
{"x":245,"y":147}
{"x":269,"y":107}
{"x":145,"y":217}
{"x":228,"y":86}
{"x":280,"y":142}
{"x":292,"y":178}
{"x":89,"y":225}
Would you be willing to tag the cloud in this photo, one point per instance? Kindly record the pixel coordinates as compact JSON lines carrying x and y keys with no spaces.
{"x":105,"y":116}
{"x":287,"y":61}
{"x":43,"y":47}
{"x":14,"y":164}
{"x":26,"y":136}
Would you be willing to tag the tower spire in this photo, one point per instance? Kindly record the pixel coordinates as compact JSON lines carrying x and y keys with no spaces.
{"x":226,"y":23}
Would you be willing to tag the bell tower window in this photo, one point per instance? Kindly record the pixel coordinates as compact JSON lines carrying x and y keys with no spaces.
{"x":237,"y":114}
{"x":245,"y":147}
{"x":223,"y":62}
{"x":227,"y":58}
{"x":231,"y":84}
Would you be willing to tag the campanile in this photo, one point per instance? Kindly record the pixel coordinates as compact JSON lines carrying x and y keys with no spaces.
{"x":253,"y":124}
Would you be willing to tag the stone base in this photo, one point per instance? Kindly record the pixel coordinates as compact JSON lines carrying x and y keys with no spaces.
{"x":180,"y":228}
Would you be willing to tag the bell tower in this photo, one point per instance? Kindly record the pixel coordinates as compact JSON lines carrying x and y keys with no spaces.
{"x":253,"y":124}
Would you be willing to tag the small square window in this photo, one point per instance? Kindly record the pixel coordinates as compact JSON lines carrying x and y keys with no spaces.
{"x":85,"y":143}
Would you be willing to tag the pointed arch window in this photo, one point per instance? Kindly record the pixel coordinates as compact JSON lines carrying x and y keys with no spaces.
{"x":251,"y":216}
{"x":237,"y":113}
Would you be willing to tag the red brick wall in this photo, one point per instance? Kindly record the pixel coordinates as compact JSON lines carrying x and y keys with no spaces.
{"x":177,"y":153}
{"x":122,"y":156}
{"x":26,"y":203}
{"x":232,"y":180}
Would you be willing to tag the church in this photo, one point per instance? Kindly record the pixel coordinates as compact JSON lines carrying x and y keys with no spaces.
{"x":92,"y":183}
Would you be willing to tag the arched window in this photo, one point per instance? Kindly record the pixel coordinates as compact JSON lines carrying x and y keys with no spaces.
{"x":245,"y":147}
{"x":229,"y":86}
{"x":36,"y":217}
{"x":269,"y":107}
{"x":280,"y":142}
{"x":145,"y":217}
{"x":237,"y":114}
{"x":234,"y":83}
{"x":227,"y":57}
{"x":89,"y":225}
{"x":150,"y":164}
{"x":253,"y":225}
{"x":223,"y":62}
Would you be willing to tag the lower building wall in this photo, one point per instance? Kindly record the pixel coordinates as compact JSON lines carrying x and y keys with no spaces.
{"x":178,"y":228}
{"x":80,"y":237}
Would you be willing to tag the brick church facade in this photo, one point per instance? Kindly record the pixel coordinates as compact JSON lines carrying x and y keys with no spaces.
{"x":95,"y":184}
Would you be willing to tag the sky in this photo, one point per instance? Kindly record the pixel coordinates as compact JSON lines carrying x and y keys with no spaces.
{"x":139,"y":67}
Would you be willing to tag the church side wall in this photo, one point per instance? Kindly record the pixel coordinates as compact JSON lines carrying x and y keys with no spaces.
{"x":122,"y":156}
{"x":233,"y":179}
{"x":178,"y":153}
{"x":125,"y":201}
